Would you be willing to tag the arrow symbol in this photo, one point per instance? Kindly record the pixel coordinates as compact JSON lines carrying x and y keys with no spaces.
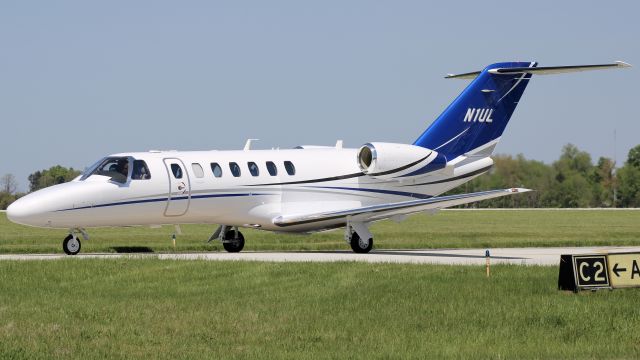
{"x":616,"y":269}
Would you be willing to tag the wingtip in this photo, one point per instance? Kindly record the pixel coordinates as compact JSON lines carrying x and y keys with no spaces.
{"x":464,"y":76}
{"x":623,"y":64}
{"x":519,"y":190}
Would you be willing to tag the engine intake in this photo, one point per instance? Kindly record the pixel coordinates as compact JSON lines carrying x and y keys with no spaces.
{"x":388,"y":160}
{"x":366,"y":155}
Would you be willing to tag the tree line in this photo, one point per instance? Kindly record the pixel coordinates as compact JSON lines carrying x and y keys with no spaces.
{"x":572,"y":181}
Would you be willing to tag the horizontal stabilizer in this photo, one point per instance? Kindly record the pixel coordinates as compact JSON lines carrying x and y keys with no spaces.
{"x":379,"y":212}
{"x":546,"y":70}
{"x":465,"y":76}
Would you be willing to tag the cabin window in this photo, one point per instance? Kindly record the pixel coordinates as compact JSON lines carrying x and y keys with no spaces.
{"x":216,"y":169}
{"x":140,"y":170}
{"x":253,"y":169}
{"x":235,"y":169}
{"x":291,"y":170}
{"x":197,"y":170}
{"x":271,"y":168}
{"x":176,"y":170}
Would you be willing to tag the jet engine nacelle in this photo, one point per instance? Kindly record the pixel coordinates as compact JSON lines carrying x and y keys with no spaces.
{"x":388,"y":160}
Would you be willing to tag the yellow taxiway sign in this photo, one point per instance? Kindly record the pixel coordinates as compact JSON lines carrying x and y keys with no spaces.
{"x":624,"y":269}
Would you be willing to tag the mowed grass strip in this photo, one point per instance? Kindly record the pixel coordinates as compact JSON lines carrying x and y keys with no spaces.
{"x":151,"y":308}
{"x":447,"y":229}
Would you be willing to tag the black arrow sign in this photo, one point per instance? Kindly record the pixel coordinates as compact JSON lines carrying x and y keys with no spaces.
{"x":616,"y":270}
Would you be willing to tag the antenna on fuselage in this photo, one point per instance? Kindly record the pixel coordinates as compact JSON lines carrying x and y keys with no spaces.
{"x":247,"y":145}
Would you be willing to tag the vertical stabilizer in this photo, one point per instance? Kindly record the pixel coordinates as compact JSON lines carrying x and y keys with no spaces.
{"x":476,"y":119}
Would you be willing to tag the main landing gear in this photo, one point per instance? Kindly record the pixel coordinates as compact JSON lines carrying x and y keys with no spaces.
{"x":233,"y":241}
{"x":231,"y":238}
{"x":358,"y":236}
{"x":360,"y":245}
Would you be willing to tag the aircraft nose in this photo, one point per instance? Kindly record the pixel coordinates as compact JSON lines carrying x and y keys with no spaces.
{"x":17,"y":211}
{"x":23,"y":212}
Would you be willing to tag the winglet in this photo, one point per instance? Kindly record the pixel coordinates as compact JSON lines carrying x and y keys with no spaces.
{"x":623,"y":64}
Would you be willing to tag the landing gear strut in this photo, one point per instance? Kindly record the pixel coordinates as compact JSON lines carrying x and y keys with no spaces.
{"x":71,"y":244}
{"x":233,"y":241}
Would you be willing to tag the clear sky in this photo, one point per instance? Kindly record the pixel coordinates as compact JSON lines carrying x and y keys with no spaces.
{"x":83,"y":79}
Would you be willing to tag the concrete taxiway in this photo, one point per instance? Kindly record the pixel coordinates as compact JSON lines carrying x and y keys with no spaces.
{"x":520,"y":256}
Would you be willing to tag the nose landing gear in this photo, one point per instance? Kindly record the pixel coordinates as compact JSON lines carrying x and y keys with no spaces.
{"x":71,"y":244}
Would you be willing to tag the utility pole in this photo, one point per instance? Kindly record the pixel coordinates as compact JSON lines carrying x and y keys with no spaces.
{"x":613,"y":171}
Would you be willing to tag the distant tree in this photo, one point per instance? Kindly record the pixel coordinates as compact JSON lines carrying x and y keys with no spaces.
{"x":8,"y":187}
{"x":52,"y":176}
{"x":633,"y":159}
{"x":8,"y":184}
{"x":574,"y":184}
{"x":628,"y":178}
{"x":603,"y":182}
{"x":34,"y":181}
{"x":572,"y":159}
{"x":6,"y":199}
{"x":629,"y":186}
{"x":511,"y":172}
{"x":571,"y":181}
{"x":573,"y":192}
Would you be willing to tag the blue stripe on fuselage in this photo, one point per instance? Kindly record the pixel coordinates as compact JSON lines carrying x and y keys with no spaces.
{"x":390,"y":192}
{"x":131,"y":202}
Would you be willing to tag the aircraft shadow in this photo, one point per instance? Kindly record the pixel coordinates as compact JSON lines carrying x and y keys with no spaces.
{"x":131,"y":249}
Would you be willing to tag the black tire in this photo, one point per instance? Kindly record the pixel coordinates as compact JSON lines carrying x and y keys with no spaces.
{"x":360,"y":247}
{"x":231,"y":244}
{"x":71,"y":245}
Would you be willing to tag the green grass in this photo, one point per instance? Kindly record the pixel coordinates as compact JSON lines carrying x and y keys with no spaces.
{"x":83,"y":308}
{"x":448,"y":229}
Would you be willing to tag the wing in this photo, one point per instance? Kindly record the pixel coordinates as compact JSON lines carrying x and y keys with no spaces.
{"x":379,"y":212}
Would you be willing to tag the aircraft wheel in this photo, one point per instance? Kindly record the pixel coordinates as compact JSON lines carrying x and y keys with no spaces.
{"x":359,"y":245}
{"x":71,"y":245}
{"x":231,"y":244}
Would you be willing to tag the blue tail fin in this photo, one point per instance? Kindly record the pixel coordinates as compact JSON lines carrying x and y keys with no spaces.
{"x":479,"y":114}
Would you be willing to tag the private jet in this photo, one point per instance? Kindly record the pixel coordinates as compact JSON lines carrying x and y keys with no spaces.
{"x":302,"y":190}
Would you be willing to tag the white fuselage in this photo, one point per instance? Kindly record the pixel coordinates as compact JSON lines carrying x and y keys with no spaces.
{"x":325,"y":179}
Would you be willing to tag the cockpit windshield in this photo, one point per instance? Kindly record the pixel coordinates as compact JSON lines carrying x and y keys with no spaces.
{"x":116,"y":168}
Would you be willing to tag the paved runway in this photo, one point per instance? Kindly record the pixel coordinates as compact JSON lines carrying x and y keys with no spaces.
{"x":520,"y":256}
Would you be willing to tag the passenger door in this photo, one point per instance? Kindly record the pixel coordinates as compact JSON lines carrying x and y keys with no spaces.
{"x":179,"y":188}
